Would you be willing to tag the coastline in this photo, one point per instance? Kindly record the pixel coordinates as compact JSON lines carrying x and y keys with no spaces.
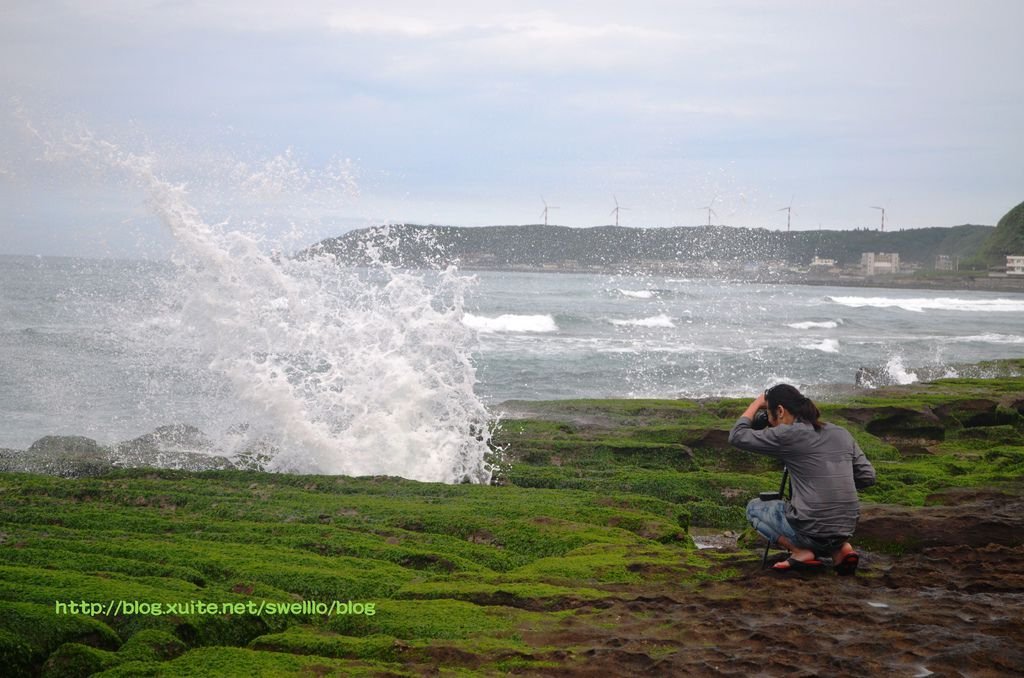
{"x":972,"y":283}
{"x":976,"y":284}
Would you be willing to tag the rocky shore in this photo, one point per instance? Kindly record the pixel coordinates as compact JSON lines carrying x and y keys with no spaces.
{"x":578,"y":562}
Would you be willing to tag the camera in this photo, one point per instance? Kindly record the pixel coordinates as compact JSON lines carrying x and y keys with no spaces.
{"x":760,"y":420}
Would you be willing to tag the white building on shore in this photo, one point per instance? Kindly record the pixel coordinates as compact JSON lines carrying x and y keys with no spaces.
{"x":1015,"y":265}
{"x":880,"y":263}
{"x":819,"y":262}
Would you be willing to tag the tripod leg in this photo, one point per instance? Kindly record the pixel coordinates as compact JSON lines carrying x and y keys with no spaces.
{"x":782,"y":493}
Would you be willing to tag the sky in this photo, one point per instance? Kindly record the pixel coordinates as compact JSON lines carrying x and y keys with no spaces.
{"x":321,"y":116}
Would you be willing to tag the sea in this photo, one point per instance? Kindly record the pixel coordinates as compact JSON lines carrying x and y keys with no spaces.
{"x":229,"y":347}
{"x":380,"y":370}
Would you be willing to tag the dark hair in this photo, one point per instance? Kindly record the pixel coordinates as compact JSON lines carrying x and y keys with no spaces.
{"x":802,"y":408}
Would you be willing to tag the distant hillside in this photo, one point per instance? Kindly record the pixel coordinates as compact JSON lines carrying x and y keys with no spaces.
{"x":1008,"y":238}
{"x":614,"y":247}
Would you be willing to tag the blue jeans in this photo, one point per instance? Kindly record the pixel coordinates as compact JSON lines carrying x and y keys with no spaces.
{"x":769,"y":519}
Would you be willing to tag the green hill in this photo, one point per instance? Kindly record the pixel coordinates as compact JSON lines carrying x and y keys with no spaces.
{"x":637,"y":248}
{"x":1008,"y":238}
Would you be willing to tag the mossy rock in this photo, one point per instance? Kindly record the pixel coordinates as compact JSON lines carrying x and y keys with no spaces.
{"x":711,"y":514}
{"x":967,"y":413}
{"x":898,"y":422}
{"x":74,"y":660}
{"x":247,"y":663}
{"x":734,"y":460}
{"x":1007,"y":459}
{"x":29,"y":633}
{"x":459,"y":575}
{"x":152,"y":645}
{"x":991,"y":436}
{"x":707,"y":438}
{"x":304,"y":640}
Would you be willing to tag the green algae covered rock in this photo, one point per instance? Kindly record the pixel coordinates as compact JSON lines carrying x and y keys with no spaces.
{"x":30,"y":632}
{"x":584,"y":540}
{"x":466,"y":565}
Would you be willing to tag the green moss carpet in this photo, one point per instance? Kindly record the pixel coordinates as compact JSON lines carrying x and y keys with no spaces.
{"x":384,"y":576}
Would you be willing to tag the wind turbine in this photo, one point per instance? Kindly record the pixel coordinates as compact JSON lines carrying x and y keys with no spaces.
{"x":616,"y":210}
{"x":546,"y":208}
{"x":883,"y":215}
{"x":710,"y":211}
{"x":789,"y":212}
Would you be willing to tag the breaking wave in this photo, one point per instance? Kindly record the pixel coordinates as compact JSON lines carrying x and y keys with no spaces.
{"x":898,"y":373}
{"x":990,"y":338}
{"x":654,"y":321}
{"x":638,"y":294}
{"x":826,"y":346}
{"x":920,"y":305}
{"x":511,"y":323}
{"x":325,"y":369}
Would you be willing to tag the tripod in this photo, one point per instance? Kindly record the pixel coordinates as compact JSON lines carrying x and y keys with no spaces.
{"x":781,"y":495}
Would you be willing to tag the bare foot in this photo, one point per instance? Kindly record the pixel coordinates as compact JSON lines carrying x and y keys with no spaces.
{"x":802,"y":556}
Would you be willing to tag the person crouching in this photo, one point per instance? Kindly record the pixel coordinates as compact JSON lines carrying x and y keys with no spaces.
{"x":826,"y":468}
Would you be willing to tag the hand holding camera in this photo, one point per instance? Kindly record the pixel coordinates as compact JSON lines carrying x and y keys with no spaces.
{"x":760,"y":418}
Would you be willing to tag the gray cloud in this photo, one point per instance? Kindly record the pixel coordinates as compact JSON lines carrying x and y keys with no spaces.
{"x":462,"y":113}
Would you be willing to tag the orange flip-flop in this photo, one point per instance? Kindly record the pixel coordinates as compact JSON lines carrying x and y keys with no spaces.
{"x":847,"y":565}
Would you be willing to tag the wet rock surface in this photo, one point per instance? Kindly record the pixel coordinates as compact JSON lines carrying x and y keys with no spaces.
{"x":950,"y":602}
{"x":769,"y":624}
{"x":945,"y":610}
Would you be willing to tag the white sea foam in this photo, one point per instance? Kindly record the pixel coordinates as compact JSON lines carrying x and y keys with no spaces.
{"x":654,"y":321}
{"x":811,"y":324}
{"x":637,"y":294}
{"x":511,"y":323}
{"x":341,"y":371}
{"x":990,"y":338}
{"x":825,"y":345}
{"x":898,"y":373}
{"x":920,"y":305}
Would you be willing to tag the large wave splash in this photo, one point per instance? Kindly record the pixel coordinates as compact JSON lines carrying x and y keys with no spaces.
{"x":335,"y":370}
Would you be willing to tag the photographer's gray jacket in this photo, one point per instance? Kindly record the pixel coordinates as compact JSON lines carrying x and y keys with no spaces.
{"x":827,"y":467}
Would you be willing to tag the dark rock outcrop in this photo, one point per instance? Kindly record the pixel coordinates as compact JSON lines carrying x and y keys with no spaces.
{"x":908,"y":430}
{"x":176,"y":446}
{"x":972,"y":518}
{"x":67,"y":456}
